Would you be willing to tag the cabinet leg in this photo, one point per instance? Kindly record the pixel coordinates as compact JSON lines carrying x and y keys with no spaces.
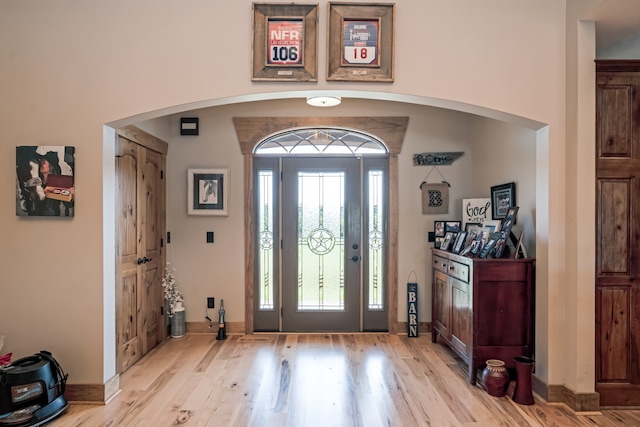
{"x":434,"y":336}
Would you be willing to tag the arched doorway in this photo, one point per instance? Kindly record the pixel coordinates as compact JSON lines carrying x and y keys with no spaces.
{"x":250,"y":131}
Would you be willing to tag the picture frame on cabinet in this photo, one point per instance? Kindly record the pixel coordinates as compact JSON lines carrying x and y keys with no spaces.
{"x":458,"y":244}
{"x":285,"y":42}
{"x":505,"y":231}
{"x":439,"y":228}
{"x":453,"y":226}
{"x":470,"y":225}
{"x":493,"y":225}
{"x":502,"y":198}
{"x":520,"y":249}
{"x":448,"y":239}
{"x":208,"y":192}
{"x":438,"y":242}
{"x":361,"y":42}
{"x":490,"y":245}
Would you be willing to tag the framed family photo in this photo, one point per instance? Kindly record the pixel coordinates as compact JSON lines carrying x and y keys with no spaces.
{"x":502,"y":198}
{"x":208,"y":192}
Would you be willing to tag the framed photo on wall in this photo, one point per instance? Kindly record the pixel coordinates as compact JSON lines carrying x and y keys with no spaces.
{"x":502,"y":198}
{"x":361,"y":39}
{"x":208,"y":192}
{"x":285,"y":42}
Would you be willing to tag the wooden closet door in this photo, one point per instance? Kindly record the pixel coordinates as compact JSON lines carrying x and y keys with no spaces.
{"x":139,"y":252}
{"x":618,"y":234}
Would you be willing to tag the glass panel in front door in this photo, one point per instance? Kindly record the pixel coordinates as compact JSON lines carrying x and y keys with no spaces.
{"x":320,"y":241}
{"x":321,"y":244}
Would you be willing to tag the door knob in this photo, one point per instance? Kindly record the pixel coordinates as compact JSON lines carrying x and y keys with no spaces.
{"x":355,"y":258}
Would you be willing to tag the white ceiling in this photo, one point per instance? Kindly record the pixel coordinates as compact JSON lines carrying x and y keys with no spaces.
{"x":617,"y":22}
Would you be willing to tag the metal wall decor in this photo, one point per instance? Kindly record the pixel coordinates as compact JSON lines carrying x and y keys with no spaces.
{"x":436,"y":159}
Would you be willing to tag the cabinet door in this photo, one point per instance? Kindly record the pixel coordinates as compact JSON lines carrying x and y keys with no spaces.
{"x":617,"y":292}
{"x":441,"y":304}
{"x":461,"y":313}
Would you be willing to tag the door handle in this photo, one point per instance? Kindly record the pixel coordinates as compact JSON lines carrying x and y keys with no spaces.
{"x":144,"y":260}
{"x":355,"y":258}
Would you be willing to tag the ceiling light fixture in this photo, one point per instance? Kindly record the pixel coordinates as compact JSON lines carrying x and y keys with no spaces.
{"x":324,"y":101}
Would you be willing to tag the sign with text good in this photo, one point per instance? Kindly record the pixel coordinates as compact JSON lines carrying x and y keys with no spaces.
{"x":476,"y":211}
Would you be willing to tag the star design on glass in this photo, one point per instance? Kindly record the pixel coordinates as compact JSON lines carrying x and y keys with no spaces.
{"x":321,"y":241}
{"x":266,"y":240}
{"x":375,"y":240}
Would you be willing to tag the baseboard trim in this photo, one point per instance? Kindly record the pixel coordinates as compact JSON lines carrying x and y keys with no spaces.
{"x":579,"y":402}
{"x":92,"y":394}
{"x":212,"y":327}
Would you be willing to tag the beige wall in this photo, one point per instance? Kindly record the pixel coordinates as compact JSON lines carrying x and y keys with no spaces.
{"x":69,"y":67}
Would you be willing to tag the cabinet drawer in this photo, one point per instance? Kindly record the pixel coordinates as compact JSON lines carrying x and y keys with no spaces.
{"x":440,"y":264}
{"x":459,"y":271}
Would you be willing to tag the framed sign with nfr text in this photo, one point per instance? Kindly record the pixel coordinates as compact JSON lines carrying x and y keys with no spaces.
{"x":285,"y":42}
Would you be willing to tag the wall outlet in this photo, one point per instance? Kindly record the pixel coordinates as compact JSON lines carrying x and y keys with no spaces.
{"x":211,"y":302}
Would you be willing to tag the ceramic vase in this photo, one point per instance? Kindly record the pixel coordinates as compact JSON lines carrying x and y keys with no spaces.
{"x":178,"y":324}
{"x":495,"y":378}
{"x":524,"y":368}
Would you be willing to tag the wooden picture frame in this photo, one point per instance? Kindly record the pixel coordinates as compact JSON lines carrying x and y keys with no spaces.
{"x":208,"y":192}
{"x":285,"y":42}
{"x":502,"y":198}
{"x":361,"y":42}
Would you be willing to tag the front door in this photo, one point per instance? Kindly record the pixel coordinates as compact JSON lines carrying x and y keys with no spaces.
{"x":321,"y":244}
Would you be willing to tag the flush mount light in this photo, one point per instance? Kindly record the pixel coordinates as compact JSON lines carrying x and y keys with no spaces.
{"x":324,"y":101}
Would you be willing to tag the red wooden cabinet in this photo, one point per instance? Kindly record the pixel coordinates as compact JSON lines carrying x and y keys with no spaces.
{"x":483,"y":308}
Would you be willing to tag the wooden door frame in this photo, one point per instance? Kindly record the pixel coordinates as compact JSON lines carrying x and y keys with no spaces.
{"x":390,"y":130}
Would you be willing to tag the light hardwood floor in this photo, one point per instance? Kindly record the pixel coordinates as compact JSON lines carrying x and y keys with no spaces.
{"x":314,"y":380}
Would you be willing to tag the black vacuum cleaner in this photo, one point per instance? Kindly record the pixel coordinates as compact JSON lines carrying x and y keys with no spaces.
{"x":32,"y":391}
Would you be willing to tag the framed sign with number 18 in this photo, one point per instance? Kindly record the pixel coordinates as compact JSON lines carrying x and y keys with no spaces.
{"x":360,"y":43}
{"x":361,"y":39}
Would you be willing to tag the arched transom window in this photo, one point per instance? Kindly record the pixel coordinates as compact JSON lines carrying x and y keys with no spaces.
{"x":321,"y":141}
